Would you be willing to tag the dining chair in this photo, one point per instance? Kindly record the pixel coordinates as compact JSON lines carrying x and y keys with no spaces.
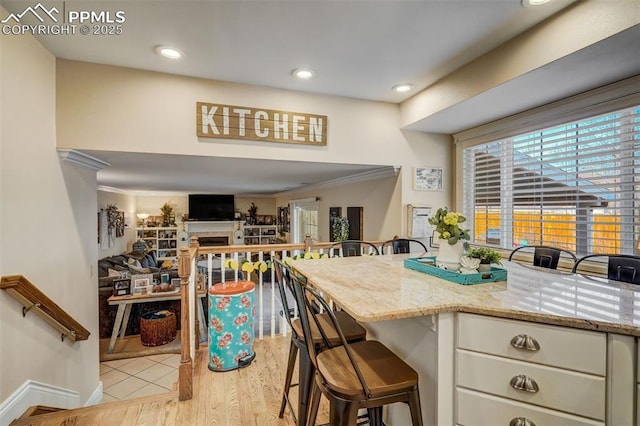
{"x":350,"y":248}
{"x":353,"y":332}
{"x":545,"y":256}
{"x":354,"y":375}
{"x":620,"y":267}
{"x":403,"y":245}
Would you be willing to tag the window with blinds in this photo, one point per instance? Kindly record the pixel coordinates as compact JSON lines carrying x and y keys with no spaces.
{"x":575,"y":186}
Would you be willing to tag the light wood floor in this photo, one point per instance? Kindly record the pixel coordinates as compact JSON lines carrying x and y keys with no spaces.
{"x":246,"y":397}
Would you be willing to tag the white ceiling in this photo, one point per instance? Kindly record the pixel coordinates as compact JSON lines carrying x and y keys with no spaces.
{"x":359,"y":49}
{"x":141,"y":173}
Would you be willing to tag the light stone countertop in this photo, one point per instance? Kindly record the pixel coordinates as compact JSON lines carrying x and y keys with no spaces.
{"x":378,"y":288}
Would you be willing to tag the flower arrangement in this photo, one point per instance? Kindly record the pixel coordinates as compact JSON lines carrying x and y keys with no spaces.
{"x":167,"y":213}
{"x":339,"y":228}
{"x":447,"y":225}
{"x":484,"y":254}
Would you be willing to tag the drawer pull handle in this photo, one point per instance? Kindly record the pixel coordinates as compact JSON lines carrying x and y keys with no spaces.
{"x":521,"y":421}
{"x":523,"y":341}
{"x":524,"y":383}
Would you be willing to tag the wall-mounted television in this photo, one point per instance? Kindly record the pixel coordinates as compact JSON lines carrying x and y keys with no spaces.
{"x":212,"y":207}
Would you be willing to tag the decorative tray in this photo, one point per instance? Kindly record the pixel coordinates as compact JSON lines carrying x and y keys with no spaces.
{"x":427,"y":265}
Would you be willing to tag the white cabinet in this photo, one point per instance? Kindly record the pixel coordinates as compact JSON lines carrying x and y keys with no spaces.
{"x":533,"y":374}
{"x":164,"y":241}
{"x":259,"y":234}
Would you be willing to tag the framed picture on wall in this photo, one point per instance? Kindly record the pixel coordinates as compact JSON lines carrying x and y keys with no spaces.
{"x":427,"y":179}
{"x":418,"y":225}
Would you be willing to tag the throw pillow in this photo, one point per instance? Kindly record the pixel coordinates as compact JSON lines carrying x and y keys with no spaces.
{"x":150,"y":261}
{"x":139,"y":270}
{"x":133,"y":262}
{"x":118,"y":274}
{"x":152,"y":253}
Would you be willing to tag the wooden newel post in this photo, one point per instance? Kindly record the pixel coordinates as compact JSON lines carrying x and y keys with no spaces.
{"x":193,"y":242}
{"x":185,"y":372}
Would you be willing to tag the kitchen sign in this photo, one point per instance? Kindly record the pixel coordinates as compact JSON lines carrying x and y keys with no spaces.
{"x":236,"y":122}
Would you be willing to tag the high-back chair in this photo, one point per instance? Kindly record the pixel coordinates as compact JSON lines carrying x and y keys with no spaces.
{"x":620,"y":267}
{"x":545,"y":256}
{"x":356,"y":375}
{"x":350,"y":248}
{"x":353,"y":332}
{"x":403,"y":245}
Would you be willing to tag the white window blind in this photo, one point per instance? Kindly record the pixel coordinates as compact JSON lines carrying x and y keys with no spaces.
{"x":575,"y":186}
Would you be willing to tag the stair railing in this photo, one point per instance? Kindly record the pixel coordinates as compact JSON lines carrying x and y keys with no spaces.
{"x":34,"y":300}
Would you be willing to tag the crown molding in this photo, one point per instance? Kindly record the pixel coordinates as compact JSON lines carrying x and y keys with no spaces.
{"x":81,"y":159}
{"x":380,"y":173}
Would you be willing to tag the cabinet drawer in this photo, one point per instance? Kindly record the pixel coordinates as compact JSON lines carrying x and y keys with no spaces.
{"x":478,"y":409}
{"x":561,"y":347}
{"x":570,"y":391}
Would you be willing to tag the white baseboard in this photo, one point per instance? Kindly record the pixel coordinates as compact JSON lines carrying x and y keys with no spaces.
{"x":36,"y":393}
{"x":96,"y":396}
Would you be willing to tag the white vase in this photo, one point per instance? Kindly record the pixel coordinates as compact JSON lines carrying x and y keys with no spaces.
{"x":449,"y":255}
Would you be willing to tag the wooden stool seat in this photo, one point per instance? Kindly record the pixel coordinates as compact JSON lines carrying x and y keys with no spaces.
{"x":352,"y":330}
{"x":384,"y":372}
{"x":352,"y":375}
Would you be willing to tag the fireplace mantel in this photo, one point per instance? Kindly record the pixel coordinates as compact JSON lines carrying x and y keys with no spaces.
{"x":214,"y":229}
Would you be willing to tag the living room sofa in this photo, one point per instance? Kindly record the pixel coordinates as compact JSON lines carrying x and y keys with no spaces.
{"x":111,"y":268}
{"x":115,"y":267}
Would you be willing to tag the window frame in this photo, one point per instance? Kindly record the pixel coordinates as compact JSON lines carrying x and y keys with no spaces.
{"x":617,"y":96}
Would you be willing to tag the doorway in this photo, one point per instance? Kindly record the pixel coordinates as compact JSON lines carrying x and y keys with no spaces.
{"x":304,"y":219}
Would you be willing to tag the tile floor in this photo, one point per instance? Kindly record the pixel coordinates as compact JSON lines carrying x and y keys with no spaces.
{"x":135,"y":377}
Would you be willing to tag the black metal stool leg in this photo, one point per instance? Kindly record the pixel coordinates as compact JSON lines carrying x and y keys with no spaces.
{"x":293,"y":352}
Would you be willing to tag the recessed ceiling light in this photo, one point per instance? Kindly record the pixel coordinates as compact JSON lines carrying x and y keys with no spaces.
{"x":169,"y":52}
{"x":303,"y":73}
{"x":533,"y":3}
{"x":401,"y":88}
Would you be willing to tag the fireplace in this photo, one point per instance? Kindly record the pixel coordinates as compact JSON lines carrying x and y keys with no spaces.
{"x":211,"y":234}
{"x":213,"y":241}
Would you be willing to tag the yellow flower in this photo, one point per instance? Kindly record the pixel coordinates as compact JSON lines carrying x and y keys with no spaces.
{"x":287,"y":261}
{"x":451,"y":218}
{"x":446,"y":235}
{"x":307,"y":255}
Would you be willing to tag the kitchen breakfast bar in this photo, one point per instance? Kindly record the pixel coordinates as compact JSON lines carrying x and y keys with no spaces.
{"x":542,"y":348}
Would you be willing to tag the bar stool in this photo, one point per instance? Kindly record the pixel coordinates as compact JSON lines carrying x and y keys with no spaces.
{"x":620,"y":267}
{"x":403,"y":245}
{"x":350,"y":248}
{"x":545,"y":256}
{"x":363,"y":374}
{"x":353,"y":331}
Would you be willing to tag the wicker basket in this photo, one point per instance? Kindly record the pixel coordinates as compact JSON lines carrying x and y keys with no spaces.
{"x":157,"y":328}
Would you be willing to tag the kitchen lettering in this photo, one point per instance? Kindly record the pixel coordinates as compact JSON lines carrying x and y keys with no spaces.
{"x":236,"y":122}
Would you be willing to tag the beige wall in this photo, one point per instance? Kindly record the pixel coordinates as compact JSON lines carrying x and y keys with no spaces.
{"x":377,"y":198}
{"x":572,"y":29}
{"x":140,"y":111}
{"x":48,"y":229}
